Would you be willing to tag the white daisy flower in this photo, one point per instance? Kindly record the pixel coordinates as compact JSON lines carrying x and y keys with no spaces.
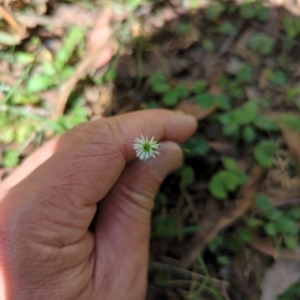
{"x":144,"y":148}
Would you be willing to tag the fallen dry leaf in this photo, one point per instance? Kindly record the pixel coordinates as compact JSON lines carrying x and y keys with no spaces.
{"x":241,"y":205}
{"x":223,"y":148}
{"x":100,"y":38}
{"x":292,"y":140}
{"x":284,"y":273}
{"x":265,"y":246}
{"x":280,"y":197}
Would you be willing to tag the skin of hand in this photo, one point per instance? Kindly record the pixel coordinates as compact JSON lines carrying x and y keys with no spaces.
{"x":88,"y":175}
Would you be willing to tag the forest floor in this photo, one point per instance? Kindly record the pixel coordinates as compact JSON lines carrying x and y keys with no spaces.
{"x":226,"y":225}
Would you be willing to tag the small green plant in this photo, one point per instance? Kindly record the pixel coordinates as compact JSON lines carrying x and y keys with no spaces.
{"x":160,"y":200}
{"x":265,"y":123}
{"x":279,"y":78}
{"x":214,"y":11}
{"x":244,"y":74}
{"x":233,"y":122}
{"x":289,"y":120}
{"x":10,"y":158}
{"x":246,"y":113}
{"x":182,"y":28}
{"x":263,"y":153}
{"x":187,"y":176}
{"x":291,"y":25}
{"x":261,"y":43}
{"x":208,"y":45}
{"x":196,"y":147}
{"x":53,"y":73}
{"x":226,"y":28}
{"x":254,"y":10}
{"x":227,"y":180}
{"x":170,"y":95}
{"x":277,"y":223}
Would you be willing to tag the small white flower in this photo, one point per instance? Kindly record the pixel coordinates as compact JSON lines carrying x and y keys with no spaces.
{"x":144,"y":148}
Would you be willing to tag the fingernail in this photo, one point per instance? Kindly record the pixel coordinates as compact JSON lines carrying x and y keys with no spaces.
{"x":169,"y":159}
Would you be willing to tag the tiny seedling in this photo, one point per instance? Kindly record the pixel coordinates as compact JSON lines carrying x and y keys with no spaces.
{"x":227,"y":180}
{"x":264,"y":152}
{"x":261,"y":43}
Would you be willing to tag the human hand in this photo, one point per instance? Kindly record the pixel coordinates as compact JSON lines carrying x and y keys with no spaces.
{"x":47,"y":248}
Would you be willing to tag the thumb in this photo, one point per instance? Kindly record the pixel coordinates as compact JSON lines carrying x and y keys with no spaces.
{"x":137,"y":186}
{"x":123,"y":219}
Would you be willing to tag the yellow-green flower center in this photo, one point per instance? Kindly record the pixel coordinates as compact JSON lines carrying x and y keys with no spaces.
{"x":146,"y":147}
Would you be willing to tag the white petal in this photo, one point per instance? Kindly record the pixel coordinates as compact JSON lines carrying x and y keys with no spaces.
{"x":142,"y":155}
{"x":154,"y":146}
{"x":137,"y":146}
{"x":139,"y":153}
{"x":152,"y":139}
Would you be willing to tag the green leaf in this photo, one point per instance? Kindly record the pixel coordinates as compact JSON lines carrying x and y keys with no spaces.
{"x":231,"y":129}
{"x":245,"y":234}
{"x":234,"y":89}
{"x":248,"y":134}
{"x":10,"y":158}
{"x":187,"y":176}
{"x":25,"y":57}
{"x":199,"y":87}
{"x":261,"y":43}
{"x":262,"y":12}
{"x":223,"y":260}
{"x":204,"y":100}
{"x":182,"y":28}
{"x":196,"y":146}
{"x":161,"y":88}
{"x":39,"y":82}
{"x":241,"y":176}
{"x":217,"y":187}
{"x":273,"y":214}
{"x":270,"y":229}
{"x":246,"y":113}
{"x":246,"y":11}
{"x":74,"y":36}
{"x":24,"y":97}
{"x":265,"y":123}
{"x":230,"y":181}
{"x":291,"y":121}
{"x":7,"y":134}
{"x":170,"y":98}
{"x":215,"y":243}
{"x":286,"y":225}
{"x":157,"y":78}
{"x":23,"y":132}
{"x":221,"y":101}
{"x":229,"y":163}
{"x":279,"y":78}
{"x":293,"y":213}
{"x":244,"y":74}
{"x":208,"y":45}
{"x":255,"y":223}
{"x":160,"y":200}
{"x":262,"y":202}
{"x":181,"y":90}
{"x":264,"y":152}
{"x":291,"y":242}
{"x":226,"y":28}
{"x":292,"y":26}
{"x":214,"y":11}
